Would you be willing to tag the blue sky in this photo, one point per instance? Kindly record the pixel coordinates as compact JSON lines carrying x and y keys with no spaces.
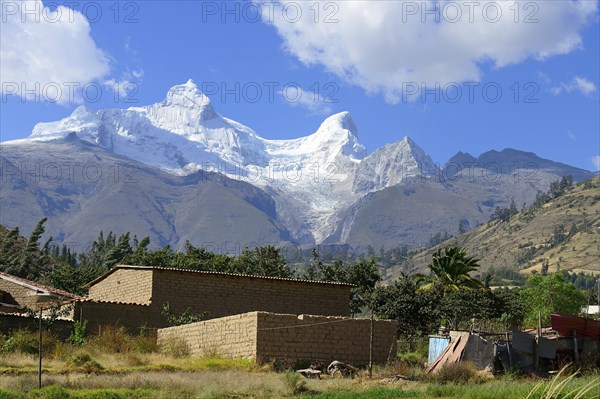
{"x":371,"y":59}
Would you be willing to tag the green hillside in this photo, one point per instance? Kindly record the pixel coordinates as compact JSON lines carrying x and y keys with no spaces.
{"x":561,"y":233}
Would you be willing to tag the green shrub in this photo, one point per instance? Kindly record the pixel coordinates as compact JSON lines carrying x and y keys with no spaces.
{"x":11,"y":394}
{"x":175,"y":347}
{"x":77,"y":337}
{"x":112,"y":340}
{"x":186,"y":317}
{"x":294,"y":382}
{"x":24,"y":341}
{"x":143,"y":344}
{"x":84,"y":362}
{"x":117,"y":340}
{"x":412,"y":359}
{"x":50,"y":392}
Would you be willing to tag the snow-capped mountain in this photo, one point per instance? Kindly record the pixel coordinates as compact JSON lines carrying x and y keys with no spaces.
{"x":320,"y":188}
{"x":315,"y":176}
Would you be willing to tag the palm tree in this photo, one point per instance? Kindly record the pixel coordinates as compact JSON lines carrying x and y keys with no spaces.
{"x":450,"y":270}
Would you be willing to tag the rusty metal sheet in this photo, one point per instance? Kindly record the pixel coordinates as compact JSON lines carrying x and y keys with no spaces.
{"x":565,"y":324}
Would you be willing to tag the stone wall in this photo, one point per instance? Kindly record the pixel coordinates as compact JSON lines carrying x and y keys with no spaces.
{"x":124,"y":285}
{"x":287,"y":339}
{"x":232,"y":336}
{"x":225,"y":295}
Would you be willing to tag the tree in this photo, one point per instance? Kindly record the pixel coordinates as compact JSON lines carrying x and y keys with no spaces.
{"x":118,"y":252}
{"x":558,"y":235}
{"x":558,"y":187}
{"x":262,"y":261}
{"x":25,"y":258}
{"x":459,"y":308}
{"x":513,"y":308}
{"x":505,"y":214}
{"x":364,"y":275}
{"x":449,"y":270}
{"x":551,"y":293}
{"x":334,"y":271}
{"x":313,"y":271}
{"x":186,"y":317}
{"x":416,"y":311}
{"x":73,"y":278}
{"x":10,"y":251}
{"x":545,"y":267}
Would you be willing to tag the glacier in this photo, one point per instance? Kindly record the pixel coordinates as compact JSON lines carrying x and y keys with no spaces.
{"x":313,"y":179}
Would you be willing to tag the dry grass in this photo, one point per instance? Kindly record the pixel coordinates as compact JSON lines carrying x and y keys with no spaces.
{"x":133,"y":372}
{"x":236,"y":383}
{"x":197,"y":384}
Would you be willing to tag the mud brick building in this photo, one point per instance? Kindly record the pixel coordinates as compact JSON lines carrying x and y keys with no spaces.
{"x":287,"y":338}
{"x":134,"y":295}
{"x":18,"y":294}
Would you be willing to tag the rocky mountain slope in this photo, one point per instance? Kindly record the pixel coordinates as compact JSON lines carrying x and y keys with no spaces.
{"x":321,"y":188}
{"x":84,"y":189}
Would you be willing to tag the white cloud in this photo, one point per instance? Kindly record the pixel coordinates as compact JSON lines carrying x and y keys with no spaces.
{"x":596,"y":161}
{"x":571,"y":135}
{"x":41,"y":48}
{"x":121,"y":88}
{"x":128,"y":83}
{"x":137,"y":73}
{"x":579,"y":84}
{"x":312,"y":101}
{"x":383,"y":45}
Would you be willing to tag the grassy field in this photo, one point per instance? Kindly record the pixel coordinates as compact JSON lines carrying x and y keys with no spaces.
{"x":161,"y":376}
{"x":116,"y":365}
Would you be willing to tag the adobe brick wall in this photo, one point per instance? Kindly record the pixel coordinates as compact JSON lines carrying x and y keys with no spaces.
{"x":13,"y":322}
{"x":101,"y":315}
{"x":232,"y":336}
{"x":224,"y":295}
{"x":286,"y":338}
{"x":124,"y":285}
{"x":289,"y":338}
{"x":22,"y":295}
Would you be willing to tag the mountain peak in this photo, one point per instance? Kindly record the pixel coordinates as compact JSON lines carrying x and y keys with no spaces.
{"x":342,"y":120}
{"x":409,"y":141}
{"x":190,"y":83}
{"x":187,"y":95}
{"x":185,"y":104}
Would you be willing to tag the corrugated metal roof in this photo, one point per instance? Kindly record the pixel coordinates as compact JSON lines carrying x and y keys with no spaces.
{"x":35,"y":286}
{"x":293,"y":280}
{"x":566,"y":324}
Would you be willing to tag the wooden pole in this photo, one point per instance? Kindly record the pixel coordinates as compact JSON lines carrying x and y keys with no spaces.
{"x":40,"y":351}
{"x":508,"y":350}
{"x":598,"y":298}
{"x":371,"y":347}
{"x":575,"y":348}
{"x":536,"y":357}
